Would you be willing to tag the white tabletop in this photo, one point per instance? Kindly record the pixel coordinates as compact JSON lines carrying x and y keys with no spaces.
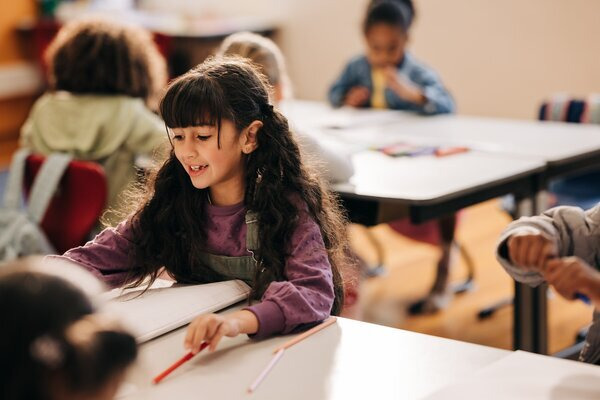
{"x":523,"y":375}
{"x":430,"y":179}
{"x":348,"y":360}
{"x":553,"y":142}
{"x":418,"y":180}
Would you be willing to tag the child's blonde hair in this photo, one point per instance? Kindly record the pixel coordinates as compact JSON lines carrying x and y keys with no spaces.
{"x":264,"y":53}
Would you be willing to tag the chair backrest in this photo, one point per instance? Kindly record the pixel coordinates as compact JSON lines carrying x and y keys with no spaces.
{"x":77,"y":205}
{"x":582,"y":189}
{"x":562,"y":108}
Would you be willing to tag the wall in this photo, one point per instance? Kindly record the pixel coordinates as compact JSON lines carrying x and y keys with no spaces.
{"x":498,"y":57}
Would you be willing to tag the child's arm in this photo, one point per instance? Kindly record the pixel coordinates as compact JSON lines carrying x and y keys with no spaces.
{"x":307,"y":296}
{"x":572,"y":275}
{"x":106,"y":256}
{"x":422,"y":88}
{"x":404,"y":88}
{"x":211,"y":328}
{"x":349,"y":84}
{"x":338,"y":166}
{"x":575,"y":233}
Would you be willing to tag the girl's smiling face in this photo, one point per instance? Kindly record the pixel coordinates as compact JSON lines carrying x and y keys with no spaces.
{"x":214,"y":159}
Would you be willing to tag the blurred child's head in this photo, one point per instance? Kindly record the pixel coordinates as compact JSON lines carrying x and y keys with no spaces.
{"x":96,"y":56}
{"x":53,"y":346}
{"x":265,"y":54}
{"x":386,"y":28}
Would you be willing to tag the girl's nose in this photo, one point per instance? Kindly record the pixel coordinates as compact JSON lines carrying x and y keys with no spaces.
{"x":189,"y":150}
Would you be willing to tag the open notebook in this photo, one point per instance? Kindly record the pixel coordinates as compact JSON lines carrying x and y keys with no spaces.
{"x":165,"y":307}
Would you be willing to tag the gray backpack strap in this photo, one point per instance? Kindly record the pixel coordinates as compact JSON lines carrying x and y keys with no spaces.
{"x":45,"y":184}
{"x":14,"y":185}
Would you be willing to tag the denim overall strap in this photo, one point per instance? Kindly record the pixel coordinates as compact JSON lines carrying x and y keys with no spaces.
{"x":243,"y":267}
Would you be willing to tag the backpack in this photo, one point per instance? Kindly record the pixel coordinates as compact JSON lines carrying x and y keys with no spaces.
{"x":20,"y":228}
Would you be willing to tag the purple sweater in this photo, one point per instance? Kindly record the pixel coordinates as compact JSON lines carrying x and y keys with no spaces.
{"x":306,"y":297}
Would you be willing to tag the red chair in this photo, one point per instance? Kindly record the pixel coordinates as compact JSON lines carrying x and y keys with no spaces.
{"x":77,"y":204}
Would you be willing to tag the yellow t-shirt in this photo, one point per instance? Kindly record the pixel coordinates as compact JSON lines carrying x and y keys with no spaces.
{"x":378,"y":95}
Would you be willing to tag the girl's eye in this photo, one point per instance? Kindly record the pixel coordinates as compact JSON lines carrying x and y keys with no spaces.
{"x":177,"y":138}
{"x":203,"y":138}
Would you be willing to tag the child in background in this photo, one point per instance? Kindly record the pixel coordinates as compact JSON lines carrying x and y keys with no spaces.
{"x":388,"y":76}
{"x":232,"y":201}
{"x":103,"y":78}
{"x":267,"y":56}
{"x":561,"y":247}
{"x":53,"y":346}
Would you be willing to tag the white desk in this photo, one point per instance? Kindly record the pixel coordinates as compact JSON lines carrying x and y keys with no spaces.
{"x":348,"y":360}
{"x":426,"y":180}
{"x":431,"y":187}
{"x":544,"y":140}
{"x":522,"y":375}
{"x":553,"y":142}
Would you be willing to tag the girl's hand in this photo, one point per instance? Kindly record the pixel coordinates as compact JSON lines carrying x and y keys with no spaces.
{"x":211,"y":328}
{"x":357,"y":96}
{"x":571,"y":275}
{"x":531,"y":249}
{"x":403,"y":88}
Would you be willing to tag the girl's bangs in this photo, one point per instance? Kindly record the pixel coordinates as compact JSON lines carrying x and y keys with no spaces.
{"x":194,"y":101}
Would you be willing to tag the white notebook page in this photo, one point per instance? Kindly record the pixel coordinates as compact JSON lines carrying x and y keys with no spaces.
{"x":162,"y":309}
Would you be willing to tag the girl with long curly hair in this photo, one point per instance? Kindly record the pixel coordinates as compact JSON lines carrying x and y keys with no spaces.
{"x":232,"y":201}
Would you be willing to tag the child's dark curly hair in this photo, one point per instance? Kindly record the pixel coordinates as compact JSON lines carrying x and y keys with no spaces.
{"x":95,"y":56}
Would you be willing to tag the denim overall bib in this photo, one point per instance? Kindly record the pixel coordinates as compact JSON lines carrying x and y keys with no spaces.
{"x":243,"y":267}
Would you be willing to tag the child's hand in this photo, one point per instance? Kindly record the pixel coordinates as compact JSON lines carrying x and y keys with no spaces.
{"x":572,"y":275}
{"x":531,"y":250}
{"x":402,"y":87}
{"x":211,"y":328}
{"x":357,"y":96}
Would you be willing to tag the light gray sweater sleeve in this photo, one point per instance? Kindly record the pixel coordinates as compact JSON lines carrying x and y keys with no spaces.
{"x":336,"y":163}
{"x":576,"y":232}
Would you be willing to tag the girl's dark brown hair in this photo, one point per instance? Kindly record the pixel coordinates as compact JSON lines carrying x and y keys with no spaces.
{"x":51,"y":340}
{"x":169,"y":225}
{"x":96,"y":56}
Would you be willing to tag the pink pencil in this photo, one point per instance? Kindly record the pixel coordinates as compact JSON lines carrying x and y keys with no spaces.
{"x":265,"y":371}
{"x":279,"y":351}
{"x":306,"y":334}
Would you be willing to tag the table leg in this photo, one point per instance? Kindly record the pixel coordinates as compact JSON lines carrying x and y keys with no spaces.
{"x":530,"y":315}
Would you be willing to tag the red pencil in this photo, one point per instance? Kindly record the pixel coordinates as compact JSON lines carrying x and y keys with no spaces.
{"x":448,"y":151}
{"x":173,"y":367}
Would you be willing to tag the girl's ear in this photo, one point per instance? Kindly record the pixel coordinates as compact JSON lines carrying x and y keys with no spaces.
{"x":248,"y":138}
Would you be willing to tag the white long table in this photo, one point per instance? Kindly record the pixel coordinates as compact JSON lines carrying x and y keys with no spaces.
{"x":523,"y":375}
{"x":348,"y":360}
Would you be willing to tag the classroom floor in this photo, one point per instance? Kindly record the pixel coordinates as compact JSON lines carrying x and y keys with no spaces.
{"x":410,"y":268}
